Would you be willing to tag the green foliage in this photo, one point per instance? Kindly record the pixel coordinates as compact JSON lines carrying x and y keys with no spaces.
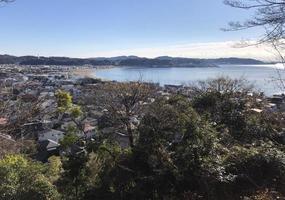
{"x":64,"y":100}
{"x":209,"y":147}
{"x":65,"y":105}
{"x":54,"y":168}
{"x":173,"y":144}
{"x":230,"y":114}
{"x":68,"y":140}
{"x":75,"y":111}
{"x":95,"y":166}
{"x":74,"y":179}
{"x":224,"y":152}
{"x":258,"y":166}
{"x":168,"y":120}
{"x":24,"y":179}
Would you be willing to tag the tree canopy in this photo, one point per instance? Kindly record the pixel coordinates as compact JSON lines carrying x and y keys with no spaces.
{"x":24,"y":179}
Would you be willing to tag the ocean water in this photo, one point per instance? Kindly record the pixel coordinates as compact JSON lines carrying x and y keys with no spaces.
{"x":264,"y":77}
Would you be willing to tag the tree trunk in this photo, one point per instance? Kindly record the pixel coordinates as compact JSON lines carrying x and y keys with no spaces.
{"x":130,"y":134}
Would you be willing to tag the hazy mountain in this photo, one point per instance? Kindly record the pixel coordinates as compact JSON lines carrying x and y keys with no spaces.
{"x":237,"y":61}
{"x":163,"y":61}
{"x":117,"y":58}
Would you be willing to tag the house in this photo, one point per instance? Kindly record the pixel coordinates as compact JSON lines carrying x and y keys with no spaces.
{"x":46,"y":94}
{"x":256,"y":110}
{"x":89,"y":130}
{"x":67,"y":87}
{"x":47,"y":148}
{"x":51,"y":134}
{"x":3,"y":121}
{"x":271,"y":107}
{"x":48,"y":144}
{"x":122,"y":139}
{"x":32,"y":129}
{"x":279,"y":100}
{"x":173,"y":88}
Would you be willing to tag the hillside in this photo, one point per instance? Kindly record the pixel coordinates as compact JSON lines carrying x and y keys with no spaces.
{"x":164,"y":61}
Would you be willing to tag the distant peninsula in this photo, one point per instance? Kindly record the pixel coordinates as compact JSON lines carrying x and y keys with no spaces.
{"x":130,"y":61}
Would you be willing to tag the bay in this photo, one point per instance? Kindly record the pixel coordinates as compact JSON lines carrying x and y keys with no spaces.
{"x":262,"y":76}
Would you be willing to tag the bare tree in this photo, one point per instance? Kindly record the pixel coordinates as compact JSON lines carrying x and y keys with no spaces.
{"x":224,"y":84}
{"x":6,"y":1}
{"x":15,"y":113}
{"x":125,"y":101}
{"x":270,"y":15}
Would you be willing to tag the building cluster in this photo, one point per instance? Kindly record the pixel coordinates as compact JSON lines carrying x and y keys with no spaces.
{"x":38,"y":85}
{"x":35,"y":86}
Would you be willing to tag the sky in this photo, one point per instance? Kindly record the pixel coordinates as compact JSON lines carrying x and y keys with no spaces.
{"x":149,"y":28}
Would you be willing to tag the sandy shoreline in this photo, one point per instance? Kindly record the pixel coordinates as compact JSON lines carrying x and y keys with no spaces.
{"x":88,"y":71}
{"x":85,"y":72}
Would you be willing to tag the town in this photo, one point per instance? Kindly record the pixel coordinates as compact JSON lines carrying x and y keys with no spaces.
{"x":37,"y":86}
{"x":142,"y":100}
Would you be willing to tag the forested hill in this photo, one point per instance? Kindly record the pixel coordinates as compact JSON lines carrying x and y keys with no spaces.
{"x":164,"y":61}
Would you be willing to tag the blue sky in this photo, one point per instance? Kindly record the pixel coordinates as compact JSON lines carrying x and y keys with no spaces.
{"x":91,"y":28}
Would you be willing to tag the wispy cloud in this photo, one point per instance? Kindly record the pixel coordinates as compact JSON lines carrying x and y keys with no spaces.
{"x":201,"y":50}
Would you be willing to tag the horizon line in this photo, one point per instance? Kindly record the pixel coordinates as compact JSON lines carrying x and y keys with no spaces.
{"x":207,"y":50}
{"x":108,"y":57}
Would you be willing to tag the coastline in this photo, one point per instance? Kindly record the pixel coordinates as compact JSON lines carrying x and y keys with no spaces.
{"x":85,"y":72}
{"x":89,"y":71}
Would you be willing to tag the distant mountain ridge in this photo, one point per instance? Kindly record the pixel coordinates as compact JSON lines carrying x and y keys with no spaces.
{"x":163,"y":61}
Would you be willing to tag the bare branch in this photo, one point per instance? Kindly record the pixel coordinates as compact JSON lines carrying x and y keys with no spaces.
{"x":269,"y":14}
